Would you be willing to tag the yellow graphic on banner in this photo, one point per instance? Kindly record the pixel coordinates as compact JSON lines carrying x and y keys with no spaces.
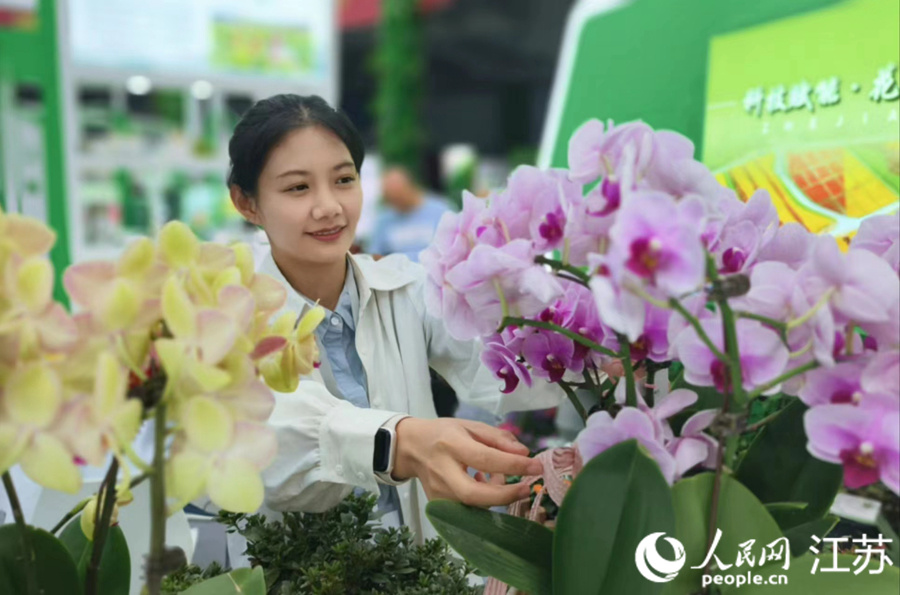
{"x":814,"y":119}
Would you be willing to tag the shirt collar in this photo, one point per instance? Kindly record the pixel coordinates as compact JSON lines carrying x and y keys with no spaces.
{"x":367,"y":275}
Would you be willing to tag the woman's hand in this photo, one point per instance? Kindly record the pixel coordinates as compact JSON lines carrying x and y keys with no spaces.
{"x":439,"y":452}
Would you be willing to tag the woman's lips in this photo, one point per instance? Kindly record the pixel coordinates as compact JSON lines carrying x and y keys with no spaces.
{"x":327,"y":235}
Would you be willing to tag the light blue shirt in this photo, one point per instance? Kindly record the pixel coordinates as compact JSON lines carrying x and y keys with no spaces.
{"x":342,"y":369}
{"x":407,"y":233}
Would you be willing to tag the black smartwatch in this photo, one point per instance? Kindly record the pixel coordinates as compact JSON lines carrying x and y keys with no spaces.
{"x":385,"y":450}
{"x":381,"y":462}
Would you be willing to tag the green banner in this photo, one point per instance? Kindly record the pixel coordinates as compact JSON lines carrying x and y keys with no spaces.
{"x":807,"y":108}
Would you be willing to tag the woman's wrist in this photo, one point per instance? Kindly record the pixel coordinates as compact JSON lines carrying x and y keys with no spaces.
{"x":407,"y":432}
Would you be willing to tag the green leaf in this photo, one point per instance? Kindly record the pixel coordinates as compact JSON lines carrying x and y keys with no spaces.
{"x":788,"y":514}
{"x":115,"y":563}
{"x":801,"y":580}
{"x":778,"y":468}
{"x":741,"y":517}
{"x":516,"y":551}
{"x":244,"y":581}
{"x":618,"y":499}
{"x":56,"y":573}
{"x":801,"y":535}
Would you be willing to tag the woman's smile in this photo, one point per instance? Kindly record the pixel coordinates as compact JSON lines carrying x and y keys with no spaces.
{"x":328,"y":235}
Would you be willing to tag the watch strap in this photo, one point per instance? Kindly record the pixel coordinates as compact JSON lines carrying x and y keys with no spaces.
{"x":390,"y":428}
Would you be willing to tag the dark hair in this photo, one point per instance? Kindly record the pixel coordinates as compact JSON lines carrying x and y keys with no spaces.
{"x":269,"y":121}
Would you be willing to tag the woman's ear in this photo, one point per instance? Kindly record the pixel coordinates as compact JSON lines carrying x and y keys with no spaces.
{"x":245,"y":205}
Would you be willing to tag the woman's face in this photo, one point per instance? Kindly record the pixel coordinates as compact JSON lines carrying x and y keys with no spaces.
{"x":309,"y":197}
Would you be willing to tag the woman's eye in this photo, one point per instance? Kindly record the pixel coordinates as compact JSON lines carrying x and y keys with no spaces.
{"x":347,"y":180}
{"x":298,"y":188}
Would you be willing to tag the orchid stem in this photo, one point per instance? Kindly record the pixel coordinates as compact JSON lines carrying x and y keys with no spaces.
{"x":80,"y":506}
{"x":504,"y":305}
{"x":786,"y":376}
{"x":729,"y":329}
{"x":573,"y":279}
{"x":694,"y":322}
{"x":650,"y":382}
{"x":107,"y":503}
{"x":755,"y":426}
{"x":69,"y":516}
{"x":717,"y":487}
{"x":517,"y":321}
{"x":625,"y":356}
{"x":561,"y":266}
{"x":154,"y":571}
{"x":27,"y":551}
{"x":733,"y":361}
{"x":778,"y":325}
{"x":573,"y":398}
{"x":725,"y":443}
{"x":812,"y":311}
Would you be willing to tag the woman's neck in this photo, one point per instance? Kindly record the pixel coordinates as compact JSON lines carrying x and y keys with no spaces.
{"x":320,"y":283}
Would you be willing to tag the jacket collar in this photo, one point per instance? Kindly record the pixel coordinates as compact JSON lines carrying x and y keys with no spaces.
{"x":371,"y":275}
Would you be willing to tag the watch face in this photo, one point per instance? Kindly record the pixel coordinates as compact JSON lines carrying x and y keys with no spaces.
{"x":382,"y":457}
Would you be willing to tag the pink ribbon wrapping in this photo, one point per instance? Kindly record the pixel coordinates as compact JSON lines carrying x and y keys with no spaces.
{"x":558,"y":463}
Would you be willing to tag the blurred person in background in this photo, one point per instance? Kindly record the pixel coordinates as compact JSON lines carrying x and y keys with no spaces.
{"x":410,"y":218}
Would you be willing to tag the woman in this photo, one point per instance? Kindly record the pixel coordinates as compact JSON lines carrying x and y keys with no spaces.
{"x":366,"y":417}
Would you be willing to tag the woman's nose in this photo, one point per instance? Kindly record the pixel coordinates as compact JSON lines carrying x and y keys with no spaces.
{"x":326,"y":205}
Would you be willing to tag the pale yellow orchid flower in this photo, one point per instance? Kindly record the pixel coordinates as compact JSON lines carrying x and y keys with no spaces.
{"x":122,"y":295}
{"x":282,"y":371}
{"x":215,"y":455}
{"x":30,"y":321}
{"x":31,"y":402}
{"x":89,"y":514}
{"x":24,"y":236}
{"x":105,"y":420}
{"x":203,"y":337}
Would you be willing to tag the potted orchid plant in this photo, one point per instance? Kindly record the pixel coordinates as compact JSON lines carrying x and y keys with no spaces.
{"x":637,"y":281}
{"x":176,"y":333}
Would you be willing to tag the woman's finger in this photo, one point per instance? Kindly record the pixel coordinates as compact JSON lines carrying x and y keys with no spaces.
{"x":497,"y":438}
{"x":468,"y":491}
{"x":491,"y":460}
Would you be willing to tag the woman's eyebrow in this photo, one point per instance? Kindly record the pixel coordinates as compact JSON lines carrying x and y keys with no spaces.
{"x":303,"y":172}
{"x":293,"y":172}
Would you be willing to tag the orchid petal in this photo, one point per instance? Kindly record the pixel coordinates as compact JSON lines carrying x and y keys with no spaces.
{"x":235,"y":485}
{"x":109,"y":384}
{"x":207,"y":424}
{"x":30,"y":236}
{"x":87,"y":283}
{"x":33,"y":396}
{"x":309,"y":322}
{"x":121,"y":306}
{"x":186,"y":475}
{"x":178,"y":310}
{"x":178,"y":245}
{"x":699,"y":422}
{"x":243,"y":260}
{"x":208,"y":377}
{"x":269,"y":294}
{"x":216,"y":334}
{"x":34,"y":283}
{"x":49,"y":463}
{"x":137,"y":258}
{"x":675,"y":402}
{"x":226,"y":277}
{"x":267,"y":346}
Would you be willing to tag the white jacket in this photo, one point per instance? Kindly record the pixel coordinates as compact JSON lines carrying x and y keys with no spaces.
{"x":326,"y":445}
